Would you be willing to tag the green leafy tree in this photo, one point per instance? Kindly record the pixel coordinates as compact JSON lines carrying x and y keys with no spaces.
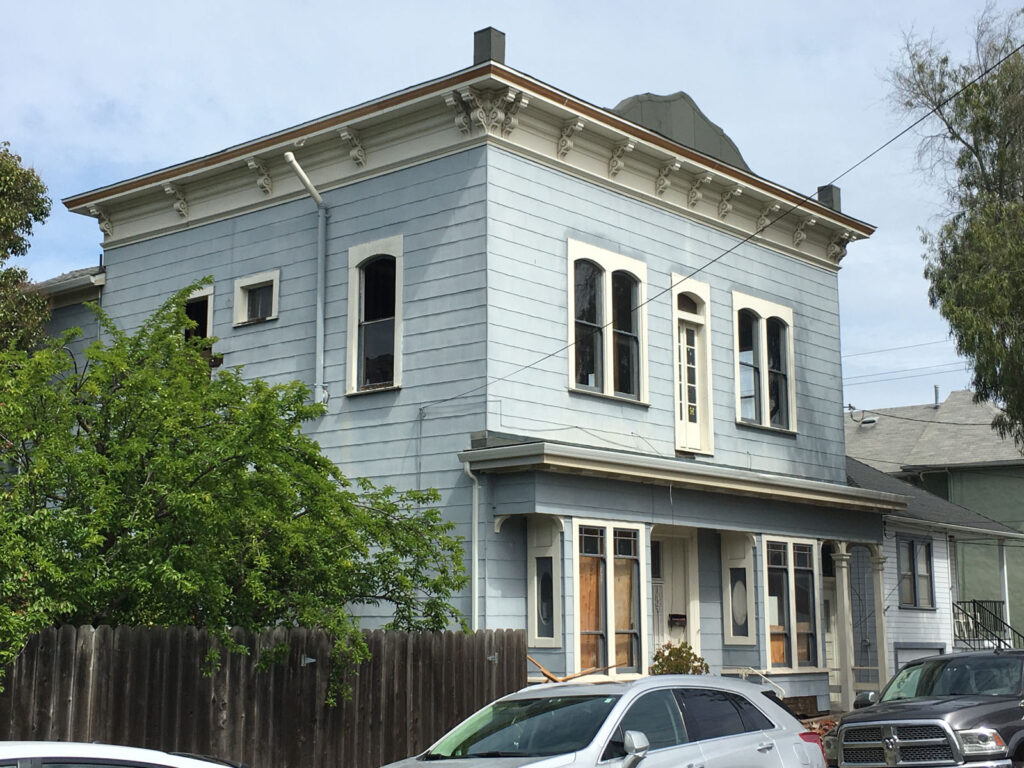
{"x":975,"y":259}
{"x":23,"y":202}
{"x":142,"y":490}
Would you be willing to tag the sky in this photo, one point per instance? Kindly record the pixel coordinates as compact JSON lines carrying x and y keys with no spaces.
{"x":94,"y":93}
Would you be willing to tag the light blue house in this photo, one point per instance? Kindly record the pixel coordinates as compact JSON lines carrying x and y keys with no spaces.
{"x":611,"y":347}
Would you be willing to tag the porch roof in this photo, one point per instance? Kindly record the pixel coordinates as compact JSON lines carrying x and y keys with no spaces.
{"x":547,"y":456}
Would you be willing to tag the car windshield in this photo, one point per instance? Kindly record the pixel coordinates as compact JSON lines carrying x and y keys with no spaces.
{"x":548,"y":725}
{"x":966,"y":675}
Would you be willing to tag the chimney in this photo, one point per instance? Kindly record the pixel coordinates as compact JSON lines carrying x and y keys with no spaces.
{"x":828,"y":195}
{"x":936,"y":396}
{"x":488,"y":45}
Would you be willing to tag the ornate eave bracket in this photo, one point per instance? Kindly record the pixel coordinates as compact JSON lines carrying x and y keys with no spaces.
{"x":836,"y":249}
{"x":617,"y":161}
{"x":497,"y":112}
{"x":356,"y":153}
{"x":766,"y":219}
{"x":103,"y":220}
{"x":264,"y":183}
{"x":180,"y":204}
{"x":695,"y":194}
{"x":799,"y":235}
{"x":661,"y":182}
{"x":565,"y":140}
{"x":724,"y":204}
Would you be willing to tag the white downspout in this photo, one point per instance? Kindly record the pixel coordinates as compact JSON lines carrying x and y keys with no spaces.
{"x":475,"y":549}
{"x":319,"y":390}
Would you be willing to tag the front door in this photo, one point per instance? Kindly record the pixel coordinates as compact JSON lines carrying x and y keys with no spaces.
{"x":670,"y":591}
{"x":828,"y":600}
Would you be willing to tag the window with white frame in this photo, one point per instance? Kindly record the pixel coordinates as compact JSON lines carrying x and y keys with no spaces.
{"x":199,"y":309}
{"x":607,"y":322}
{"x":914,"y":559}
{"x":256,"y":297}
{"x":764,"y":363}
{"x":544,"y":578}
{"x":610,"y":595}
{"x":792,"y":575}
{"x":375,"y":315}
{"x":738,"y":589}
{"x":692,"y":362}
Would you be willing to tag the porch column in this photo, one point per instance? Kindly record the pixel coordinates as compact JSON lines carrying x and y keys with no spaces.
{"x":844,"y":626}
{"x":881,"y":636}
{"x":1004,"y":583}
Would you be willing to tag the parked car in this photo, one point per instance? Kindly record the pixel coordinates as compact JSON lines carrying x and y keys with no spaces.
{"x":656,"y":722}
{"x":69,"y":754}
{"x":960,"y":709}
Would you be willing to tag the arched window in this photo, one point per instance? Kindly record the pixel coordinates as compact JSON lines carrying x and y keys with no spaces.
{"x":625,"y":310}
{"x":589,"y":322}
{"x":691,"y":356}
{"x":377,"y":323}
{"x":748,"y":344}
{"x":764,"y":363}
{"x":778,"y":377}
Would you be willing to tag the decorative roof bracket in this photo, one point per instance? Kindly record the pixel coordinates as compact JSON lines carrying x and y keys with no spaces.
{"x":661,"y":183}
{"x":617,"y":161}
{"x":694,"y":195}
{"x":765,"y":220}
{"x":570,"y":128}
{"x":351,"y":137}
{"x":724,"y":206}
{"x":264,"y":183}
{"x":837,"y":245}
{"x":180,"y":203}
{"x":798,"y":234}
{"x":101,"y":218}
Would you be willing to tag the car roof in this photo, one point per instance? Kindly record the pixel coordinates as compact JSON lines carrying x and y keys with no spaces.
{"x":622,"y":687}
{"x":982,"y":654}
{"x":71,"y":749}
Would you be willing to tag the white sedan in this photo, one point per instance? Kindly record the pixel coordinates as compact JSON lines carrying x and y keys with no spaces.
{"x":69,"y":754}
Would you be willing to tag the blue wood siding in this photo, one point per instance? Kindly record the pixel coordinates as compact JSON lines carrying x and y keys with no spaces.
{"x":533,"y":210}
{"x":75,"y":316}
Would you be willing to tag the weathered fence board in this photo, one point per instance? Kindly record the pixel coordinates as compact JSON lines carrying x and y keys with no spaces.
{"x":144,"y":687}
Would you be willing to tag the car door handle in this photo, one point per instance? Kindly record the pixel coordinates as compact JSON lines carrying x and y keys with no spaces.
{"x":695,"y":765}
{"x":766,"y":746}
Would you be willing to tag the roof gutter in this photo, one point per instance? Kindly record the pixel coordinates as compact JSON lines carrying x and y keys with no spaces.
{"x":954,"y":527}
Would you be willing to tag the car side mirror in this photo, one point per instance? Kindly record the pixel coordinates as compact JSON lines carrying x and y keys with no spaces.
{"x":636,"y":745}
{"x":865,"y":699}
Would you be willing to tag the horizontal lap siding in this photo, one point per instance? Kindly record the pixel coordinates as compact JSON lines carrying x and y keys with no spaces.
{"x":533,"y":210}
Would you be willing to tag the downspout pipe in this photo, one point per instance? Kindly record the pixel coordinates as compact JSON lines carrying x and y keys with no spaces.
{"x":319,"y":390}
{"x":474,"y":576}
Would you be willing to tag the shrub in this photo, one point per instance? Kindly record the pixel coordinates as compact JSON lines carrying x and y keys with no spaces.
{"x":678,"y":660}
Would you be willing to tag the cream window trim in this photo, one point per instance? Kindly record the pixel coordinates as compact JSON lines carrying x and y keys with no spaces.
{"x":205,"y":291}
{"x":243,"y":285}
{"x":543,"y":539}
{"x":738,"y":552}
{"x":818,"y":637}
{"x":764,"y":310}
{"x":609,"y":262}
{"x":609,"y":527}
{"x":357,"y":256}
{"x":699,"y":437}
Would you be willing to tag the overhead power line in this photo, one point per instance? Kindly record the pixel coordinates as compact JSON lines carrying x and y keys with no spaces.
{"x":732,"y":248}
{"x":896,"y":349}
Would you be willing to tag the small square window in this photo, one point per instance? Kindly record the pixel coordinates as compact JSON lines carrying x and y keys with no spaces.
{"x":256,"y":297}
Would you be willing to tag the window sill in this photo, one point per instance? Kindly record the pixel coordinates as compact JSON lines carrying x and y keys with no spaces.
{"x":924,"y":608}
{"x":373,"y":390}
{"x":692,"y":453}
{"x":603,"y":396}
{"x":257,"y":321}
{"x":763,"y":428}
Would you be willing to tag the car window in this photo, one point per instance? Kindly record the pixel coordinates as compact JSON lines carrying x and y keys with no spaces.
{"x":656,"y":715}
{"x":710,"y":714}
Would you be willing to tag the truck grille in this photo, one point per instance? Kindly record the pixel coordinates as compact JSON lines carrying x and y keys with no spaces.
{"x":882,"y":745}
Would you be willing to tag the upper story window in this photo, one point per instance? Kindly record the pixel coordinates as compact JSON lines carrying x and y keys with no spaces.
{"x":692,"y":363}
{"x":256,"y":297}
{"x":375,"y":315}
{"x":764,"y":363}
{"x":199,"y":309}
{"x":607,"y":327}
{"x":914,"y":559}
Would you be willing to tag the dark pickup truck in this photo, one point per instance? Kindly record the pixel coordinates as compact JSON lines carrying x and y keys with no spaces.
{"x":961,"y":709}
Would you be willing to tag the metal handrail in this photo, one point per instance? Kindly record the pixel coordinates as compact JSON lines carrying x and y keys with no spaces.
{"x":974,"y":623}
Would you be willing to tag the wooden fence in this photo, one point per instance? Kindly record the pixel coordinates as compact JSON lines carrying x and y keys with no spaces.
{"x":145,"y":687}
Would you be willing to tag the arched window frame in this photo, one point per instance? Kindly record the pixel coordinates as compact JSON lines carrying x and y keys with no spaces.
{"x":766,"y":312}
{"x":699,"y":436}
{"x":358,"y":257}
{"x":609,"y":263}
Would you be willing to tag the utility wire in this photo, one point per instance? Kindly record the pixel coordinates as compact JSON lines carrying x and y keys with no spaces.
{"x":908,"y":376}
{"x":905,"y":370}
{"x":895,"y":349}
{"x":748,"y":238}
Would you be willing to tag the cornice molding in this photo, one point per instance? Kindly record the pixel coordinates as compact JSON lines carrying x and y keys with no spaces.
{"x":487,"y":104}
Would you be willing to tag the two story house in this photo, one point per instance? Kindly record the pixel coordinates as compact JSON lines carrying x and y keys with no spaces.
{"x":610,"y":345}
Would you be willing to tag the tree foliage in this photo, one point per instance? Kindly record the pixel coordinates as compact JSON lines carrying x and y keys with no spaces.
{"x":142,"y":490}
{"x":975,"y":258}
{"x":23,"y":202}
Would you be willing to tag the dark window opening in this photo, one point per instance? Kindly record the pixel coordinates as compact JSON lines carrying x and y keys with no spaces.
{"x":260,"y":302}
{"x":589,"y":344}
{"x":377,"y":323}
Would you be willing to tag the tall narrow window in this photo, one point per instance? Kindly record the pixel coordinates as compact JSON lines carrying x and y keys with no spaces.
{"x":778,"y":387}
{"x":607,"y":321}
{"x":198,"y":311}
{"x":589,"y":321}
{"x":738,"y":588}
{"x":377,"y":323}
{"x":544,"y":588}
{"x":914,"y":560}
{"x":627,"y":334}
{"x":627,"y":600}
{"x":764,"y":363}
{"x":778,"y":603}
{"x":692,"y":360}
{"x":593,"y":637}
{"x":750,"y":367}
{"x":804,"y":602}
{"x":374,"y":354}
